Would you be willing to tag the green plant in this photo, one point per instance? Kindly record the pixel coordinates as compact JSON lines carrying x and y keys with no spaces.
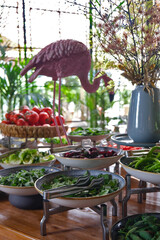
{"x":10,"y":82}
{"x":129,"y":34}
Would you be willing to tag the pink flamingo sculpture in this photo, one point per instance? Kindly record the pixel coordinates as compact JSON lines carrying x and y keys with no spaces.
{"x":62,"y":59}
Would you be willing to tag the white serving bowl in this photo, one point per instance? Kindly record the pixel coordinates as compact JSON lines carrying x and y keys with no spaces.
{"x":80,"y":202}
{"x":5,"y":166}
{"x":21,"y":191}
{"x":10,"y":165}
{"x":90,"y":163}
{"x":142,"y":175}
{"x":93,"y":138}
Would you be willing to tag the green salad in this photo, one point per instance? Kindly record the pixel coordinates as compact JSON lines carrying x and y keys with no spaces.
{"x":146,"y":227}
{"x":55,"y":140}
{"x":88,"y":131}
{"x":27,"y":156}
{"x":108,"y":186}
{"x":22,"y":178}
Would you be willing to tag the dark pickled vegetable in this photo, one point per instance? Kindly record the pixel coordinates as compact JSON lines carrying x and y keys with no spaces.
{"x":90,"y":153}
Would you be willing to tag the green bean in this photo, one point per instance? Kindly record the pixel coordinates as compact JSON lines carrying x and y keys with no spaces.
{"x":152,"y":150}
{"x":145,"y":235}
{"x":153,"y":167}
{"x":145,"y":161}
{"x":135,"y":237}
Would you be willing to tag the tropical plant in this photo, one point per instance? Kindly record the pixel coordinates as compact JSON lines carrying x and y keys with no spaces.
{"x":10,"y":82}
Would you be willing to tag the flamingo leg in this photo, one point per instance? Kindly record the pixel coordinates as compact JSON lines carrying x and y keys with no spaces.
{"x":59,"y":112}
{"x":55,"y":121}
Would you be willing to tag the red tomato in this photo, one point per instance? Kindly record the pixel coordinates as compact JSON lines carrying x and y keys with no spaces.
{"x":17,"y":116}
{"x":6,"y":122}
{"x":47,"y":110}
{"x":52,"y":119}
{"x":24,"y":109}
{"x":7,"y":115}
{"x":31,"y":117}
{"x":52,"y":124}
{"x":58,"y":120}
{"x":44,"y":118}
{"x":37,"y":123}
{"x":21,"y":122}
{"x":36,"y":109}
{"x":11,"y":118}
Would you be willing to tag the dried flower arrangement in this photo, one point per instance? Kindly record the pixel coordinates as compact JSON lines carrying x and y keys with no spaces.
{"x":132,"y":38}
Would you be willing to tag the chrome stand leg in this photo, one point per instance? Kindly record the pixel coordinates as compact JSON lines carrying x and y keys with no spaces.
{"x":114,"y":209}
{"x":104,"y":224}
{"x":45,"y":217}
{"x":102,"y":211}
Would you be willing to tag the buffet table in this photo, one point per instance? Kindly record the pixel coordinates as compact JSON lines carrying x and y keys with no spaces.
{"x":80,"y":224}
{"x":21,"y":224}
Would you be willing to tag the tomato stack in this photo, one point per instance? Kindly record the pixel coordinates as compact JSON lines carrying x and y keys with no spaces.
{"x":32,"y":117}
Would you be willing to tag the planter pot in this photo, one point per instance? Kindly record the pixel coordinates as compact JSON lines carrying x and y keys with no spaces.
{"x":144,"y":116}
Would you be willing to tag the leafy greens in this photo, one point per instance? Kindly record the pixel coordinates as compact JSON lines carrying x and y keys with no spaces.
{"x":27,"y":156}
{"x":109,"y":185}
{"x":22,"y":178}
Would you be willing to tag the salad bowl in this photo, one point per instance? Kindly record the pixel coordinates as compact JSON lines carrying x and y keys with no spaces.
{"x":25,"y":157}
{"x":90,"y":163}
{"x":93,"y":138}
{"x":116,"y":228}
{"x":76,"y":202}
{"x":94,"y":134}
{"x":24,"y":190}
{"x":150,"y":177}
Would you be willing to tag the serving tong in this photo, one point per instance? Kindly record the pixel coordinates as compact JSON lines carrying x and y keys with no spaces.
{"x":83,"y":183}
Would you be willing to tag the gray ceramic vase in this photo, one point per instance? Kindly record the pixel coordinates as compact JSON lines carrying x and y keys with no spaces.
{"x":144,"y":116}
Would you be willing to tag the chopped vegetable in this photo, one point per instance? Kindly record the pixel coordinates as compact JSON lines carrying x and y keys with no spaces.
{"x":88,"y":131}
{"x":108,"y":186}
{"x":27,"y":156}
{"x":22,"y":178}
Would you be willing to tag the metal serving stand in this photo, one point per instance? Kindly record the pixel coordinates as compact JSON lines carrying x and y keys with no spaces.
{"x":123,"y":139}
{"x":101,"y":210}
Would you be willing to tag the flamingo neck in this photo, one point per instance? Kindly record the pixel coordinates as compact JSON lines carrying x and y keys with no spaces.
{"x":89,"y":87}
{"x":93,"y":87}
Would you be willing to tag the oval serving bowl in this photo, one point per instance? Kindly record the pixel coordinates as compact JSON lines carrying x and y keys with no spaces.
{"x":81,"y":201}
{"x":90,"y":163}
{"x":5,"y":166}
{"x":121,"y":223}
{"x":150,"y":177}
{"x":21,"y":191}
{"x":94,"y":138}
